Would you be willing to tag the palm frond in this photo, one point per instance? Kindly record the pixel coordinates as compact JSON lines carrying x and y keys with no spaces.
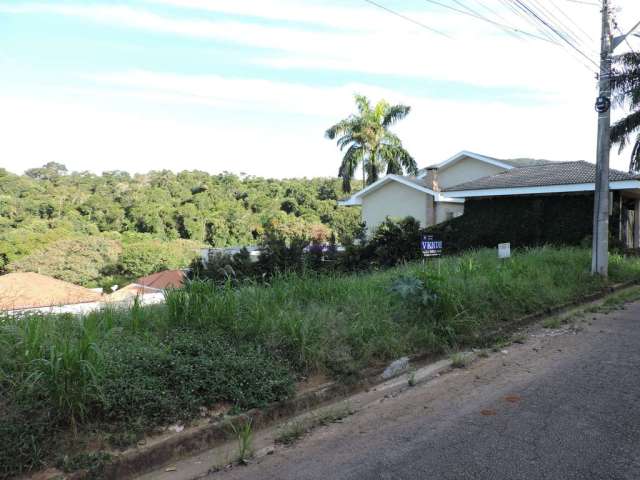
{"x":623,"y":128}
{"x":408,"y":162}
{"x":372,"y":166}
{"x":342,"y":127}
{"x":395,"y":113}
{"x":398,"y":160}
{"x":363,"y":104}
{"x":634,"y":163}
{"x":352,"y":158}
{"x":625,"y":80}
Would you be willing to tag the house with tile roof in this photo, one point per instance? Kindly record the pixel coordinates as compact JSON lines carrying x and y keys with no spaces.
{"x":29,"y":291}
{"x":163,"y":280}
{"x":440,"y":191}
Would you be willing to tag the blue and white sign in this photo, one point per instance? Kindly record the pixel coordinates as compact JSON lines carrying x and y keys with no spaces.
{"x":430,"y":246}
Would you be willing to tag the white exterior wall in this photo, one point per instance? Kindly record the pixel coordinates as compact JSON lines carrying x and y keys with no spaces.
{"x":465,"y":170}
{"x":444,"y":208}
{"x":84,"y":308}
{"x":394,"y":200}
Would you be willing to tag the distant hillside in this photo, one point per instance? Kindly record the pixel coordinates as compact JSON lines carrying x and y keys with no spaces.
{"x":49,"y":204}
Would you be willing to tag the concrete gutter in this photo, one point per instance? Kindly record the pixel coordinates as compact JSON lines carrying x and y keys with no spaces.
{"x":192,"y":441}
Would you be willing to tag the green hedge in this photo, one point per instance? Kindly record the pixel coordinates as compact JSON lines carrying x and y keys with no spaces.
{"x":522,"y":221}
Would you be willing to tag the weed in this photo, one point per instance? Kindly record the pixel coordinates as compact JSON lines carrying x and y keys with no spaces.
{"x":551,"y":323}
{"x":459,"y":360}
{"x":244,"y":437}
{"x":333,"y":415}
{"x":500,"y":344}
{"x":291,"y":432}
{"x":92,"y":462}
{"x":411,"y":379}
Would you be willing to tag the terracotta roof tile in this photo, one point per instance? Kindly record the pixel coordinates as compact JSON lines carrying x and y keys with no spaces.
{"x":164,"y":279}
{"x":31,"y":290}
{"x":552,"y":173}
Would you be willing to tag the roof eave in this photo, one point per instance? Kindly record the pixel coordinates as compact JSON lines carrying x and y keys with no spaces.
{"x":466,"y":153}
{"x":356,"y":199}
{"x":538,"y":190}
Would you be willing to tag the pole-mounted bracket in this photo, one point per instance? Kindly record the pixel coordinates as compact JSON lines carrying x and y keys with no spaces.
{"x":615,"y":43}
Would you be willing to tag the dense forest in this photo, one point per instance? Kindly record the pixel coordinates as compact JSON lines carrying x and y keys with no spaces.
{"x":95,"y":229}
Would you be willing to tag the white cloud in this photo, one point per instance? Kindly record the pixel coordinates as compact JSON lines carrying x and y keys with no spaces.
{"x":369,"y":41}
{"x":87,"y":134}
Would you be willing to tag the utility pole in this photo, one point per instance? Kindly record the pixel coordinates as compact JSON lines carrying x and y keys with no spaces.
{"x":600,"y":252}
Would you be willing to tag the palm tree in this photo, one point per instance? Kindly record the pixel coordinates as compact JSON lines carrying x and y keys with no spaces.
{"x":369,"y":143}
{"x":625,"y":87}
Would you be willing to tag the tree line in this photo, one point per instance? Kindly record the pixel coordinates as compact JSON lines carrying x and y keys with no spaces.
{"x":144,"y":222}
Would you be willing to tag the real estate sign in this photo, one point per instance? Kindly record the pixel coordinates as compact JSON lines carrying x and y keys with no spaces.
{"x":504,"y":250}
{"x":430,"y":246}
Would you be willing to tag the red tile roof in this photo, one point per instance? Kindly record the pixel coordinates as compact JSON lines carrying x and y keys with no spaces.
{"x":162,"y":280}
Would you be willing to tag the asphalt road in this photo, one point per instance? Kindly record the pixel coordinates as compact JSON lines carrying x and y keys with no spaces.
{"x":563,"y":405}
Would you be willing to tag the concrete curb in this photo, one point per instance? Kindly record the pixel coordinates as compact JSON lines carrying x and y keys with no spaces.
{"x":514,"y":325}
{"x":196,"y":440}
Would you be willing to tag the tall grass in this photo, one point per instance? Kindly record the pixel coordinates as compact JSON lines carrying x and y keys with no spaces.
{"x":337,"y":324}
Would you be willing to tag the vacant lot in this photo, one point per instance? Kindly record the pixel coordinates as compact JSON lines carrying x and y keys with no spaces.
{"x":97,"y":383}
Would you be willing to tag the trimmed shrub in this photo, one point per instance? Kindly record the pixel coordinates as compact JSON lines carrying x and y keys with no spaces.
{"x":522,"y":221}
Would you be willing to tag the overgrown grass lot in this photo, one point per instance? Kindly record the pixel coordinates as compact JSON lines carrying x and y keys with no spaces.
{"x":99,"y":382}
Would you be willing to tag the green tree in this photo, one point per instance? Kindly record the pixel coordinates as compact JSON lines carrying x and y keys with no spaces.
{"x":80,"y":260}
{"x":369,"y":142}
{"x":625,"y":87}
{"x":50,"y":171}
{"x":143,"y":257}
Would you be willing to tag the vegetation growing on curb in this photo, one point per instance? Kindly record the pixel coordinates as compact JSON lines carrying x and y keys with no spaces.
{"x":115,"y":374}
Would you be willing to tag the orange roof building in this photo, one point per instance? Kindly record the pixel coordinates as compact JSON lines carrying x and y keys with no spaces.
{"x":131,"y":291}
{"x":164,"y":279}
{"x":23,"y":290}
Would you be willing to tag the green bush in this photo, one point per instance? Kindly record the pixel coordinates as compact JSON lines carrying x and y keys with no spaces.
{"x":143,"y":257}
{"x":395,"y":242}
{"x":80,"y":260}
{"x":27,"y":435}
{"x":154,"y":383}
{"x":522,"y":221}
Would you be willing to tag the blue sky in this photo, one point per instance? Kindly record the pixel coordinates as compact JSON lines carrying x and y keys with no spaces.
{"x":250,"y":85}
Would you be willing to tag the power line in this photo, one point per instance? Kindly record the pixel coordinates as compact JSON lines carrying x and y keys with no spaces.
{"x":481,"y":17}
{"x":585,"y":33}
{"x":583,"y":2}
{"x":524,"y":15}
{"x":528,"y":10}
{"x":551,"y":17}
{"x":527,"y":19}
{"x":478,"y":15}
{"x":408,"y":19}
